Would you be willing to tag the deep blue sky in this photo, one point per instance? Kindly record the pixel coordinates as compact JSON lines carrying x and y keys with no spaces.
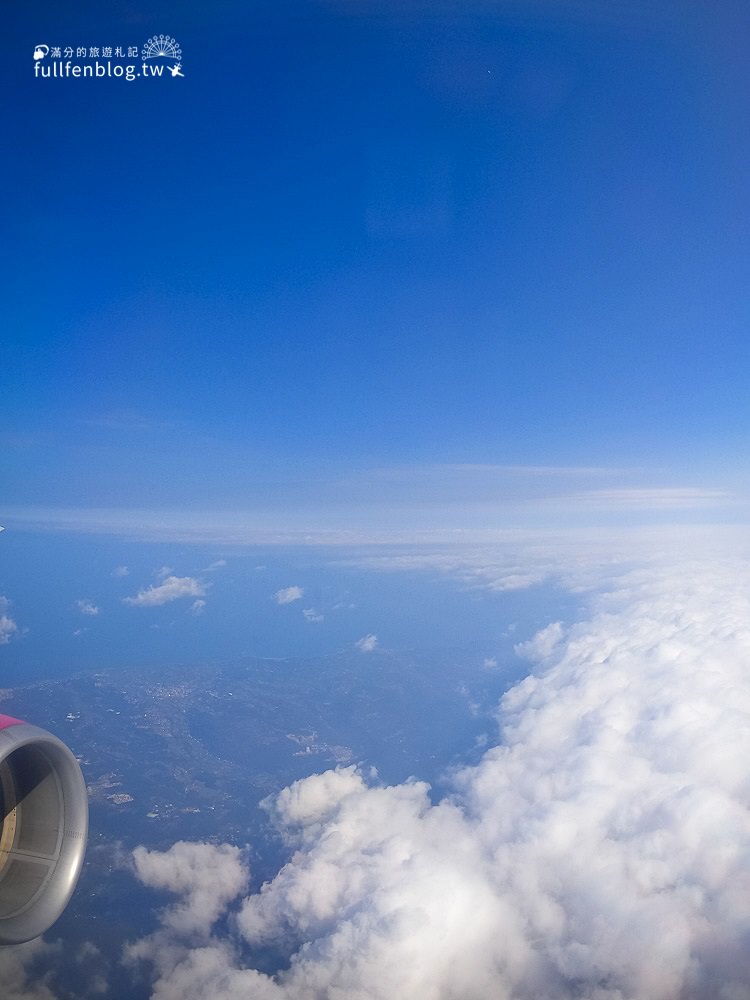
{"x":362,"y":237}
{"x":376,"y":267}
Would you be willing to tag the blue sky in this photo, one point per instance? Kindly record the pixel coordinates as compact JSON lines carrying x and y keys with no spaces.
{"x":374,"y":272}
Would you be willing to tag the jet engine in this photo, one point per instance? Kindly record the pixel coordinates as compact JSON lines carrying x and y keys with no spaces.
{"x":45,"y":819}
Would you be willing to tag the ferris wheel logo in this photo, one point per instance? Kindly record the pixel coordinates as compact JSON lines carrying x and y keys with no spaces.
{"x":163,"y":46}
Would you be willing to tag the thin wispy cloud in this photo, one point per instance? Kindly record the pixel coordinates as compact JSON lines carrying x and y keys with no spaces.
{"x":313,"y":616}
{"x":367,"y":643}
{"x":447,"y":503}
{"x":668,"y":498}
{"x":442,"y":472}
{"x":128,"y":421}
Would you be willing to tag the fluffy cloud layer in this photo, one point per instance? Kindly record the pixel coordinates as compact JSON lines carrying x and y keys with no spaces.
{"x":18,"y":979}
{"x":577,"y":560}
{"x":171,"y":589}
{"x":599,"y":851}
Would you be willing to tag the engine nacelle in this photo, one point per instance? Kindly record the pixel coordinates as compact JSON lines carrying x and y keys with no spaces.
{"x":45,"y":818}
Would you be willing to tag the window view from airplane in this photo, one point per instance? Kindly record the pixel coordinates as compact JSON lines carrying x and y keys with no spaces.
{"x":375,"y":494}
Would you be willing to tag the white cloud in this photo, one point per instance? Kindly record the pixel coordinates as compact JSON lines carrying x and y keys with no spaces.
{"x":311,"y":615}
{"x":288,"y":594}
{"x":17,"y":980}
{"x":8,"y":627}
{"x":163,"y":572}
{"x":489,"y":662}
{"x":543,"y":644}
{"x":120,"y":571}
{"x":171,"y":589}
{"x":577,"y":560}
{"x":95,"y":967}
{"x":206,"y":971}
{"x":206,"y":876}
{"x":664,"y":498}
{"x":197,"y":607}
{"x":367,"y":643}
{"x":216,"y":564}
{"x":189,"y":961}
{"x":599,"y":850}
{"x":87,"y":607}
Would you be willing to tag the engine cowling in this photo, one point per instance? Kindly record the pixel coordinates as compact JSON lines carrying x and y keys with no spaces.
{"x":44,"y":812}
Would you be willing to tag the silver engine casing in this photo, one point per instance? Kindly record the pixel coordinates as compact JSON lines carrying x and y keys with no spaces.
{"x":44,"y":814}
